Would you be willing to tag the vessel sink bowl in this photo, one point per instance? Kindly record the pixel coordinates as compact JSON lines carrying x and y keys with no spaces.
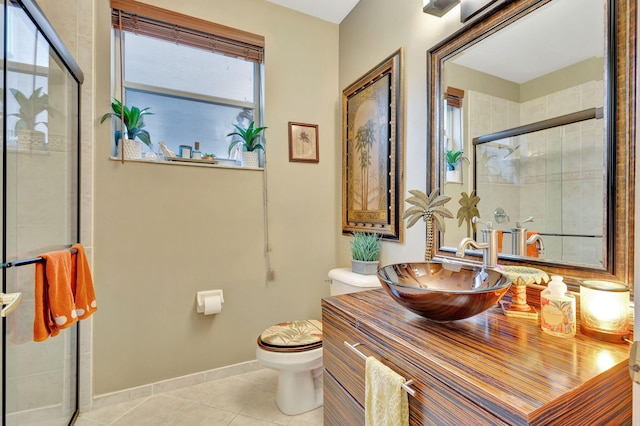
{"x":443,"y":291}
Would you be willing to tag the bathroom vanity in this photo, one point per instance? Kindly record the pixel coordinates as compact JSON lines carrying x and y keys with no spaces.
{"x":485,"y":370}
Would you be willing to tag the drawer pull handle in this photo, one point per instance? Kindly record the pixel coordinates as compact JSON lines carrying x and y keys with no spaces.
{"x":405,"y":385}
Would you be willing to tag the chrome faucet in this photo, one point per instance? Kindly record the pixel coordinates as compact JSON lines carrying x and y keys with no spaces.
{"x":519,"y":241}
{"x":537,"y":240}
{"x":489,"y":246}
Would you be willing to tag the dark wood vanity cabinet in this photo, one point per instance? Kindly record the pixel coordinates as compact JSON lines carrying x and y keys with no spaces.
{"x":485,"y":370}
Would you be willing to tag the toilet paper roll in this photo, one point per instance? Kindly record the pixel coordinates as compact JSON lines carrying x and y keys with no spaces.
{"x":212,"y":305}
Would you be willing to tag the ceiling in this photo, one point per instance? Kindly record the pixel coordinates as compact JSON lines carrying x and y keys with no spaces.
{"x":546,"y":40}
{"x":555,"y":36}
{"x":329,"y":10}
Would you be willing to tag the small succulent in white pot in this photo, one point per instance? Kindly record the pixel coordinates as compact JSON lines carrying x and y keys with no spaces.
{"x":29,"y":109}
{"x":365,"y":251}
{"x":251,"y":140}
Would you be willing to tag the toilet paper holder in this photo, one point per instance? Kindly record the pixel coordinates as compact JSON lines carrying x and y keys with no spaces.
{"x":201,"y":295}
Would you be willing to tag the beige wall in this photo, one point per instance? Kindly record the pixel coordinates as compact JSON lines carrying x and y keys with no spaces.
{"x":469,"y":79}
{"x":372,"y":31}
{"x":582,"y":72}
{"x":464,"y":78}
{"x":152,"y":250}
{"x":164,"y":232}
{"x":161,"y":233}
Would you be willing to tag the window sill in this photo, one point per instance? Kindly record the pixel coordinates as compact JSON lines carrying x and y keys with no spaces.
{"x":220,"y":164}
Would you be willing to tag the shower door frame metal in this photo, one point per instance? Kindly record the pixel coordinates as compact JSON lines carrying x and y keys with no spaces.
{"x":45,"y":28}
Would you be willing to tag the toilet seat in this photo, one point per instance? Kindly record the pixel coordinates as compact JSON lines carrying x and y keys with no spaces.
{"x":292,"y":336}
{"x":275,"y":348}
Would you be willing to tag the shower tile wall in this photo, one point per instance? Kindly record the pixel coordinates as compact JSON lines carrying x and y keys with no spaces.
{"x":74,"y":22}
{"x":560,"y":169}
{"x":488,"y":114}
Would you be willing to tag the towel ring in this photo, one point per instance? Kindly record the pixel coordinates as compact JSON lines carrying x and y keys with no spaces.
{"x":405,"y":385}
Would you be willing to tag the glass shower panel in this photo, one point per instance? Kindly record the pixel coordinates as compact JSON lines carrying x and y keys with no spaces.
{"x":555,"y":176}
{"x":2,"y":154}
{"x":40,"y":213}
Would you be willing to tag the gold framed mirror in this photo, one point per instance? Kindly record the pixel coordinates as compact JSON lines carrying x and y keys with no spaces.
{"x":576,"y":179}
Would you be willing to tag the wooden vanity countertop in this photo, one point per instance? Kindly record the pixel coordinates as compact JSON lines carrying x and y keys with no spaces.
{"x":506,"y":365}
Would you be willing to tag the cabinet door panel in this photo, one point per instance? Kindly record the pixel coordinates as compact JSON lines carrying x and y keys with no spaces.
{"x":434,"y":404}
{"x":344,"y":409}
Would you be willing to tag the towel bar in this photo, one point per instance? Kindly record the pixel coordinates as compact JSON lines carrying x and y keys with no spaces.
{"x":405,"y":385}
{"x":27,"y":261}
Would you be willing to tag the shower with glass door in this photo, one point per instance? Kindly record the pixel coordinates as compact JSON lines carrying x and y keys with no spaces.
{"x":40,"y":211}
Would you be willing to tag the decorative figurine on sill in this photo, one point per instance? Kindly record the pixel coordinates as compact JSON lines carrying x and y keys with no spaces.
{"x":431,"y":209}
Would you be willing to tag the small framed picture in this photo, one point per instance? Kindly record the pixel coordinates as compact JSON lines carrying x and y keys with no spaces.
{"x":303,"y":142}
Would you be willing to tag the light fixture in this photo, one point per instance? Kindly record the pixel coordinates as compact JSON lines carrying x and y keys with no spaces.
{"x":604,"y":310}
{"x":438,"y":7}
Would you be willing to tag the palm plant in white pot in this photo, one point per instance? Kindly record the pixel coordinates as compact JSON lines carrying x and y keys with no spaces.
{"x":251,"y":140}
{"x":365,"y":250}
{"x":29,"y":109}
{"x":453,"y":160}
{"x":133,"y":118}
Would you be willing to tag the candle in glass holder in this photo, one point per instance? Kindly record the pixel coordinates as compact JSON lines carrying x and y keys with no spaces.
{"x":604,"y":310}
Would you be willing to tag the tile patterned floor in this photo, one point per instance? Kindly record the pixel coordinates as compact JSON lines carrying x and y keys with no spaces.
{"x":245,"y":399}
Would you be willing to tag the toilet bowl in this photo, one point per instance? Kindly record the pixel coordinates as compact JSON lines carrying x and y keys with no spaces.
{"x":294,"y":349}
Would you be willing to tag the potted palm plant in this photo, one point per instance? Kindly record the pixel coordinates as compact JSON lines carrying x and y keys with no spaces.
{"x":251,"y":141}
{"x":30,"y":107}
{"x":133,"y":119}
{"x":365,"y":250}
{"x":452,"y":159}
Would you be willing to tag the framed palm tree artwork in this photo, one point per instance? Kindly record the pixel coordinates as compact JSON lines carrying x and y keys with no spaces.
{"x":303,"y":142}
{"x":373,"y":151}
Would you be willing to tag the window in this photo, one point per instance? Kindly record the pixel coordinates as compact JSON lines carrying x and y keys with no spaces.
{"x":197,"y":78}
{"x":452,"y":126}
{"x":27,"y":79}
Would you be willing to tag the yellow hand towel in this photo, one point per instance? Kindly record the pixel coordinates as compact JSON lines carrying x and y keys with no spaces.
{"x":386,"y":403}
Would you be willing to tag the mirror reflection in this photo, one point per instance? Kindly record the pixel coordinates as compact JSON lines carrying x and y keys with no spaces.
{"x":525,"y":107}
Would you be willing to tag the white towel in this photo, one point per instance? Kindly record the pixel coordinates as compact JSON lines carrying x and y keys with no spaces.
{"x":386,"y":403}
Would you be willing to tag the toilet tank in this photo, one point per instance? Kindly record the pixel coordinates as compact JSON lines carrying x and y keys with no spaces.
{"x":343,"y":280}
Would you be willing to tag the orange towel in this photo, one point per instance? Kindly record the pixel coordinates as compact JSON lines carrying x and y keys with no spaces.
{"x":500,"y":234}
{"x":82,"y":286}
{"x":55,"y":308}
{"x":532,"y":249}
{"x":63,"y":292}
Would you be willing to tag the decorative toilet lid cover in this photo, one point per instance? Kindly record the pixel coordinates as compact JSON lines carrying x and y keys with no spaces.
{"x":293,"y":333}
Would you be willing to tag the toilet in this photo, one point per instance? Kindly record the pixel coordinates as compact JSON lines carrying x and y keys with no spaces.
{"x":343,"y":280}
{"x":294,"y":349}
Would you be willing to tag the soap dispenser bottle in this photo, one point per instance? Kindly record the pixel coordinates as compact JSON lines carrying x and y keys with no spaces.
{"x":558,"y":309}
{"x":196,"y":153}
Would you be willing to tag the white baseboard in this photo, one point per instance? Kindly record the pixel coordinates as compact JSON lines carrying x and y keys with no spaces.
{"x":111,"y":398}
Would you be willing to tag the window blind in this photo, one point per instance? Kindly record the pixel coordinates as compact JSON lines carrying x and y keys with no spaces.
{"x":454,"y":97}
{"x":152,"y":21}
